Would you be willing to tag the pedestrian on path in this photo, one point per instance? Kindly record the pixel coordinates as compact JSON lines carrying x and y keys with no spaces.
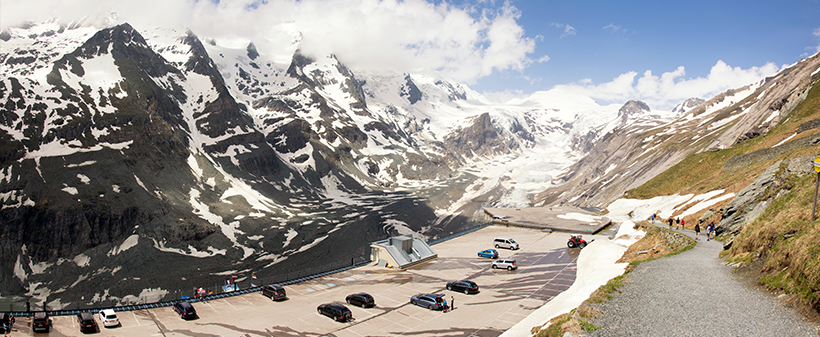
{"x":670,"y":222}
{"x":697,"y":231}
{"x":677,"y":223}
{"x":28,"y":305}
{"x":452,"y":303}
{"x":682,"y":224}
{"x":710,"y":230}
{"x":653,"y":217}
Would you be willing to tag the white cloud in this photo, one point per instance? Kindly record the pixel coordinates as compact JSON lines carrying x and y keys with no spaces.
{"x":568,"y":30}
{"x":817,"y":34}
{"x":612,"y":27}
{"x":670,"y":88}
{"x":463,"y":43}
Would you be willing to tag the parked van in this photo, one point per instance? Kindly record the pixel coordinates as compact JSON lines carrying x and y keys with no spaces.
{"x":505,"y":243}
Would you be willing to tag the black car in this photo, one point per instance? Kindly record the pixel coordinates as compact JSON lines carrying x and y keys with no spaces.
{"x":363,"y":300}
{"x":41,"y":322}
{"x":464,"y":286}
{"x":335,"y":311}
{"x":87,"y":322}
{"x":275,"y":292}
{"x":185,"y":310}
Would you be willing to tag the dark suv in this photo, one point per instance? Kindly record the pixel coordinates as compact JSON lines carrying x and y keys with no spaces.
{"x":185,"y":310}
{"x":336,"y":311}
{"x":363,"y":300}
{"x":87,"y":322}
{"x":464,"y":286}
{"x":274,"y":291}
{"x":40,"y":322}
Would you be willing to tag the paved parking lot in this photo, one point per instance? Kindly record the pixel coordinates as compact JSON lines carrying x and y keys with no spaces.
{"x":546,"y":268}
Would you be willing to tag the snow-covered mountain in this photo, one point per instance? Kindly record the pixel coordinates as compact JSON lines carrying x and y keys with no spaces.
{"x":127,"y":149}
{"x":632,"y":151}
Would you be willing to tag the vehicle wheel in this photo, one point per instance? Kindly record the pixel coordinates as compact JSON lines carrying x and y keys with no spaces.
{"x":430,"y":307}
{"x":570,"y":244}
{"x":496,"y":246}
{"x":494,"y":266}
{"x":347,"y":300}
{"x":413,"y":302}
{"x":319,"y":311}
{"x":582,"y":245}
{"x":449,"y":288}
{"x":466,"y":292}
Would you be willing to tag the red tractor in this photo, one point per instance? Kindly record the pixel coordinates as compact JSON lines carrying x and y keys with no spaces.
{"x":575,"y":240}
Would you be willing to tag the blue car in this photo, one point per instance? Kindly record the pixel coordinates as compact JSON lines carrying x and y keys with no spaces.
{"x":488,"y":253}
{"x":429,"y":301}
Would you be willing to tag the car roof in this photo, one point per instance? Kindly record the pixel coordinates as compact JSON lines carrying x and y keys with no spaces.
{"x":40,"y":314}
{"x":108,"y":312}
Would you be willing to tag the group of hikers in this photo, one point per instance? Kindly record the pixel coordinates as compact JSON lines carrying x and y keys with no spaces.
{"x":8,"y":324}
{"x":681,"y":224}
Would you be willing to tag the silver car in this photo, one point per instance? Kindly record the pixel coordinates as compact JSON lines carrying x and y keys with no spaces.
{"x":508,"y":264}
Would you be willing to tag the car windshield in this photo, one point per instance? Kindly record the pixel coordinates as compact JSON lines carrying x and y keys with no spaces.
{"x":512,"y":241}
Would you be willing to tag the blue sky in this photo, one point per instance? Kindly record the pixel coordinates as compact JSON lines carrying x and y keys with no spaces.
{"x":609,"y":38}
{"x":661,"y":52}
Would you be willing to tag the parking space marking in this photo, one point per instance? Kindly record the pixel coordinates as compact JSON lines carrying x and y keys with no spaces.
{"x":134,"y":313}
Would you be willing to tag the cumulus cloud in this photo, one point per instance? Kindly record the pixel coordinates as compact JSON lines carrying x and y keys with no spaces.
{"x":463,"y":43}
{"x":670,"y":88}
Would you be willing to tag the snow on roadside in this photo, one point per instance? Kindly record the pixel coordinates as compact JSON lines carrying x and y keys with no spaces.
{"x":596,"y":266}
{"x":597,"y":262}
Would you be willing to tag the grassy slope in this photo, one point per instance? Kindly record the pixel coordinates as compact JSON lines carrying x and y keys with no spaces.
{"x":789,"y":263}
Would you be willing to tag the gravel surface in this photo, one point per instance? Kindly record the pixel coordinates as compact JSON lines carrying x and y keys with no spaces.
{"x":695,"y":294}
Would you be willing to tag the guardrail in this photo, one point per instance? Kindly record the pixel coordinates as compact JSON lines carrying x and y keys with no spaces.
{"x":212,"y":296}
{"x":455,"y":235}
{"x":282,"y":279}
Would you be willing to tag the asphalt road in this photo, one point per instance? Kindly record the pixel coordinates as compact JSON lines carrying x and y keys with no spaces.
{"x":546,"y":268}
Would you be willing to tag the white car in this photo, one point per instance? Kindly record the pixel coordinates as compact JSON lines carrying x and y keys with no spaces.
{"x":109,"y":318}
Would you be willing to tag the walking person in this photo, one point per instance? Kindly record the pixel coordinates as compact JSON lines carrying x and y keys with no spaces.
{"x":452,"y":303}
{"x":677,"y":223}
{"x":710,"y":228}
{"x":682,"y":224}
{"x":28,"y":305}
{"x":670,"y":222}
{"x":697,"y":231}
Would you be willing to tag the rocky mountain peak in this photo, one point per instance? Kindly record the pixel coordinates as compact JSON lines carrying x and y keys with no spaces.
{"x":252,"y":52}
{"x":410,"y":90}
{"x":633,"y":108}
{"x":687,"y":105}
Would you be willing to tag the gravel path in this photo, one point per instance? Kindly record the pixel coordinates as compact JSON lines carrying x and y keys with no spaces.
{"x":694,"y":294}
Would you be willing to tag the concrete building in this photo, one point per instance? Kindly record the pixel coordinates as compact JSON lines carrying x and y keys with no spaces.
{"x":401,"y":252}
